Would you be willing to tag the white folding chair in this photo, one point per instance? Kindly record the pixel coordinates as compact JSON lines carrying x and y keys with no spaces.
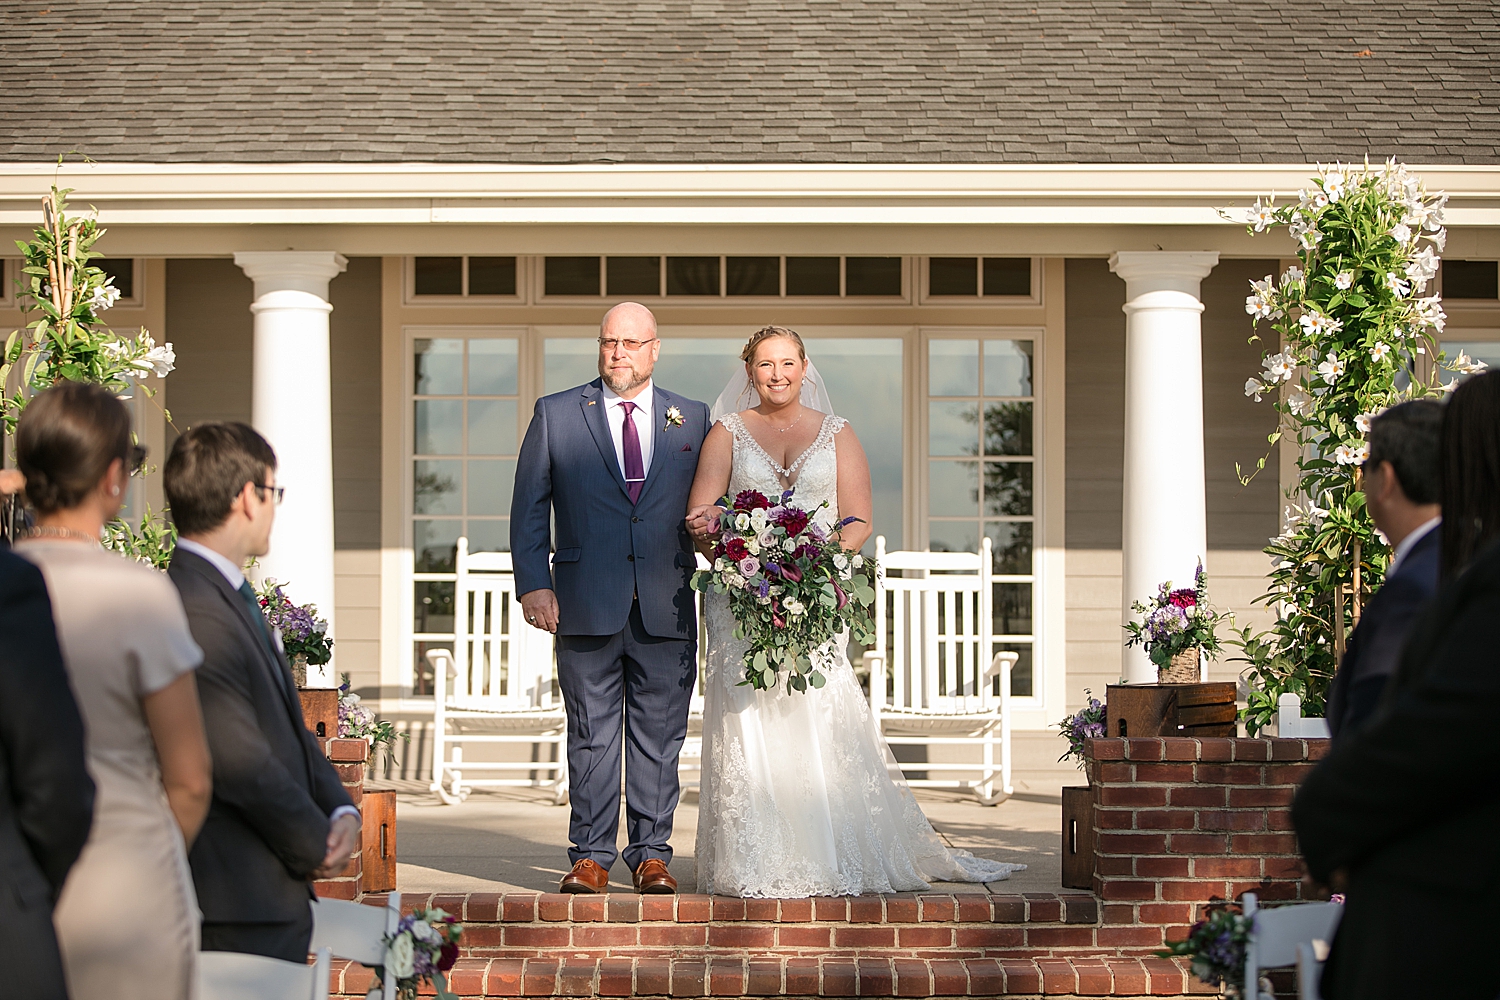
{"x":937,"y":680}
{"x":1277,"y":933}
{"x":357,"y":932}
{"x":229,"y":975}
{"x":495,"y":687}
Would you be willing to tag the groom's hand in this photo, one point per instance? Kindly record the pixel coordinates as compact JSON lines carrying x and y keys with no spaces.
{"x":540,"y":608}
{"x":703,"y":521}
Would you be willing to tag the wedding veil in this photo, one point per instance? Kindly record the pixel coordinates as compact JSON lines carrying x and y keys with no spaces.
{"x":739,"y":394}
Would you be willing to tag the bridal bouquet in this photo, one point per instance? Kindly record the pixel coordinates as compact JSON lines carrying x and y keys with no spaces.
{"x":424,"y":947}
{"x":791,"y":586}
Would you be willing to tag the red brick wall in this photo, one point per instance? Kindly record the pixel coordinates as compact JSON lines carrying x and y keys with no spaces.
{"x":348,"y":757}
{"x":1181,"y":822}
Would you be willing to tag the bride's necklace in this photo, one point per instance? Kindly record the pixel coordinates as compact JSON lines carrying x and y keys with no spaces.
{"x":783,"y":430}
{"x":52,"y":531}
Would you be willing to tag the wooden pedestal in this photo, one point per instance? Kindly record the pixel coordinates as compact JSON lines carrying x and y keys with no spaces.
{"x":1078,"y":837}
{"x":378,"y":834}
{"x":320,"y":710}
{"x":1202,"y":710}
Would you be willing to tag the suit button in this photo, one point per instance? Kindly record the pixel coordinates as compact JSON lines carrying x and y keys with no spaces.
{"x":634,"y":520}
{"x":630,"y":558}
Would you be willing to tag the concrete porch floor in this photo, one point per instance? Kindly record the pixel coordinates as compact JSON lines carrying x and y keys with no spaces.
{"x":515,"y":840}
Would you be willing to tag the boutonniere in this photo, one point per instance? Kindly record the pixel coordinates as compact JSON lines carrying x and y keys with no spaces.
{"x":674,"y":417}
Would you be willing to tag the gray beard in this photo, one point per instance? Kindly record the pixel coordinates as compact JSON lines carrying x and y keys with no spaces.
{"x":625,"y":386}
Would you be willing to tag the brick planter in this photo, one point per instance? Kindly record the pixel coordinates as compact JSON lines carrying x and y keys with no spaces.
{"x":348,"y":757}
{"x":1181,"y":822}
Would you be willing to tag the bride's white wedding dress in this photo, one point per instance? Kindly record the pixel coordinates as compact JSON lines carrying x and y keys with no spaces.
{"x":797,"y":798}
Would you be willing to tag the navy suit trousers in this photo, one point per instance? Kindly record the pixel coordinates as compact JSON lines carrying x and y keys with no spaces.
{"x":630,"y":688}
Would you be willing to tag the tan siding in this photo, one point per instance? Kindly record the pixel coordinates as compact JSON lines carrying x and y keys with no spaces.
{"x":212,"y":331}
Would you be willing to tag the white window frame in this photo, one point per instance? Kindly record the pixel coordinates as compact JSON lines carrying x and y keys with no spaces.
{"x":1029,"y":301}
{"x":540,"y":296}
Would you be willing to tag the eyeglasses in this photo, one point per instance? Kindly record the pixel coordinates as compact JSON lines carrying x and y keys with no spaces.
{"x":278,"y":493}
{"x":630,"y":345}
{"x":136,"y":459}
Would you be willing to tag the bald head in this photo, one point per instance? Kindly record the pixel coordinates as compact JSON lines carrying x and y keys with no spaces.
{"x":627,"y":348}
{"x":629,"y":320}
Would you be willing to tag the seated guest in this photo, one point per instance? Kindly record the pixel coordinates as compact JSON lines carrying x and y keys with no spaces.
{"x":280,"y":815}
{"x":1402,"y":483}
{"x":126,"y":920}
{"x":46,"y":794}
{"x":1399,"y":815}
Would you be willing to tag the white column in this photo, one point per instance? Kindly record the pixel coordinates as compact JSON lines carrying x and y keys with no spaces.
{"x":1165,"y":532}
{"x":292,"y":408}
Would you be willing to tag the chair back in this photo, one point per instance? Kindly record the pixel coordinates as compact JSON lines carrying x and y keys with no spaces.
{"x":229,"y":975}
{"x":934,"y":628}
{"x":353,"y":930}
{"x":498,"y":660}
{"x":1276,"y":934}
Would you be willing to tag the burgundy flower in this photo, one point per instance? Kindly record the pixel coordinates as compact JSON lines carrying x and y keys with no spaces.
{"x":448,"y":957}
{"x":751,"y":500}
{"x":735,"y":549}
{"x":793,"y":520}
{"x":791,"y":572}
{"x":1182,"y":598}
{"x":843,"y":598}
{"x":777,"y":620}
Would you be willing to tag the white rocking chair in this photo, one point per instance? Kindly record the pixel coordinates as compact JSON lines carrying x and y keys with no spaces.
{"x":495,"y":687}
{"x":934,"y":683}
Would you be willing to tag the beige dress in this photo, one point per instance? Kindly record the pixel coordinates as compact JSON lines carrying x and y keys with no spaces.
{"x":127,"y":919}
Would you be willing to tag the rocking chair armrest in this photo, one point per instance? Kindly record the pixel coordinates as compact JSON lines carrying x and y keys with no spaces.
{"x":1002,"y":663}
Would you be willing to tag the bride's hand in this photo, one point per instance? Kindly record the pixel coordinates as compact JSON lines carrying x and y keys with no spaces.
{"x":703,"y":521}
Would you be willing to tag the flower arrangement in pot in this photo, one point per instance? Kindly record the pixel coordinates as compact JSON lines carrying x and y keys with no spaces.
{"x":304,"y":636}
{"x":1176,"y":627}
{"x":423,"y":948}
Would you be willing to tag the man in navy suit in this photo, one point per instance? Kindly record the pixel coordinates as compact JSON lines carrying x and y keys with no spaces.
{"x":612,"y":462}
{"x":1402,"y":484}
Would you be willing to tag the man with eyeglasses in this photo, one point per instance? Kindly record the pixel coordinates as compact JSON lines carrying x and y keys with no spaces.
{"x":612,"y":462}
{"x":280,"y":815}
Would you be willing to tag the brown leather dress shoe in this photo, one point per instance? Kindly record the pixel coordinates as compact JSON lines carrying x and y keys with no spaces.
{"x":652,"y":877}
{"x":586,"y":876}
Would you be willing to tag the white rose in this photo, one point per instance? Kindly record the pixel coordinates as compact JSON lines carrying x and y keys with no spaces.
{"x":399,"y":957}
{"x":733,"y":581}
{"x":790,"y":545}
{"x":721,"y":564}
{"x":859,"y":560}
{"x":840,"y":560}
{"x":752,"y":545}
{"x":741,"y":522}
{"x":423,"y":931}
{"x":795,"y":608}
{"x":758,"y":518}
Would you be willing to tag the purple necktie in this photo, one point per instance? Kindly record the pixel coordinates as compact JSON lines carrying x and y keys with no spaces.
{"x":635,"y":472}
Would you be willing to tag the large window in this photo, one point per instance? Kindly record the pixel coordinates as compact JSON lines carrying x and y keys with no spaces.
{"x":728,"y":277}
{"x":980,"y":474}
{"x":463,"y":467}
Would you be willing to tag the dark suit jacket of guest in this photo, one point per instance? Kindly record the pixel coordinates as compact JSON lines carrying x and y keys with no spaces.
{"x":267,"y":827}
{"x":1408,"y":806}
{"x":46,"y":794}
{"x":1375,"y":646}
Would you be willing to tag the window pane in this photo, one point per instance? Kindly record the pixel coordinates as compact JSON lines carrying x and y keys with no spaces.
{"x":1012,"y":609}
{"x":422,"y":670}
{"x":492,"y":427}
{"x":1007,"y":428}
{"x":439,"y":426}
{"x":692,"y":276}
{"x":433,"y":606}
{"x":953,"y":536}
{"x":953,"y":489}
{"x":1010,"y":547}
{"x":435,"y":487}
{"x":872,"y":276}
{"x":1007,"y":488}
{"x":1007,"y":276}
{"x":752,"y":275}
{"x":697,"y":367}
{"x":1007,"y":367}
{"x":1470,"y":279}
{"x":633,"y":275}
{"x":863,"y":378}
{"x":1022,"y":684}
{"x":492,"y":276}
{"x":490,"y":486}
{"x":569,"y":361}
{"x":952,"y":276}
{"x":952,"y":428}
{"x":440,"y":367}
{"x":489,"y":536}
{"x":953,"y":367}
{"x":122,"y":269}
{"x":571,"y":276}
{"x":434,"y":545}
{"x":439,"y":276}
{"x":812,"y":275}
{"x":492,"y":367}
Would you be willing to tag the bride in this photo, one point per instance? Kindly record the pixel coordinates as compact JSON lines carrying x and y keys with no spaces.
{"x":798,"y":797}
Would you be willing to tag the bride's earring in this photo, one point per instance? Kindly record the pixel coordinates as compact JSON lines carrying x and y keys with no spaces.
{"x":114,"y":491}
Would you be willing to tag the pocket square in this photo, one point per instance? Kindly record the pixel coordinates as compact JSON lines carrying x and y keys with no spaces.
{"x":687,"y":447}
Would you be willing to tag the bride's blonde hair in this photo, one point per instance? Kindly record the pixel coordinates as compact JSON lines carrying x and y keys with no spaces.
{"x":766,"y":333}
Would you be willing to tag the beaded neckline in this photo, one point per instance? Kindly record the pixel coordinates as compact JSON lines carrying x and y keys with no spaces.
{"x":825,"y":435}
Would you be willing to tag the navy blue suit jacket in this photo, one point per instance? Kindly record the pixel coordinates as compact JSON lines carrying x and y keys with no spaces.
{"x":608,"y":549}
{"x":1376,"y":643}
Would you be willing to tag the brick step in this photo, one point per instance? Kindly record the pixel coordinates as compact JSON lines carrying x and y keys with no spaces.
{"x":811,"y":977}
{"x":927,"y":926}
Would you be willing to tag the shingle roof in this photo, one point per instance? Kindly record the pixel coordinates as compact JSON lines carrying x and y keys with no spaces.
{"x":716,"y":81}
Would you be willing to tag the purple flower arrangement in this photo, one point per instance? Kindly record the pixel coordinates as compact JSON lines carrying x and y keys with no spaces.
{"x":303,"y":633}
{"x":423,"y":948}
{"x":1216,"y":945}
{"x":1175,"y":621}
{"x":356,"y":722}
{"x":1085,"y":724}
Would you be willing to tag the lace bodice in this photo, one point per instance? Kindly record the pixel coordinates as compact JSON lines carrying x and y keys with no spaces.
{"x":813,"y":475}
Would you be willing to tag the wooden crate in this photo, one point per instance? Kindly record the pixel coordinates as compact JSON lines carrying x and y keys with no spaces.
{"x":378,"y":840}
{"x":320,"y":710}
{"x":1170,"y":710}
{"x":1078,"y":837}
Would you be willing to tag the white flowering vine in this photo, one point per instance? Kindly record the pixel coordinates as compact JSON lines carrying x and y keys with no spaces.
{"x":1353,"y":322}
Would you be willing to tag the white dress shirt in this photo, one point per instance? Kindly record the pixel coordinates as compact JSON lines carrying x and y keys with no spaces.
{"x":236,"y":578}
{"x":642,"y":417}
{"x":1408,"y":543}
